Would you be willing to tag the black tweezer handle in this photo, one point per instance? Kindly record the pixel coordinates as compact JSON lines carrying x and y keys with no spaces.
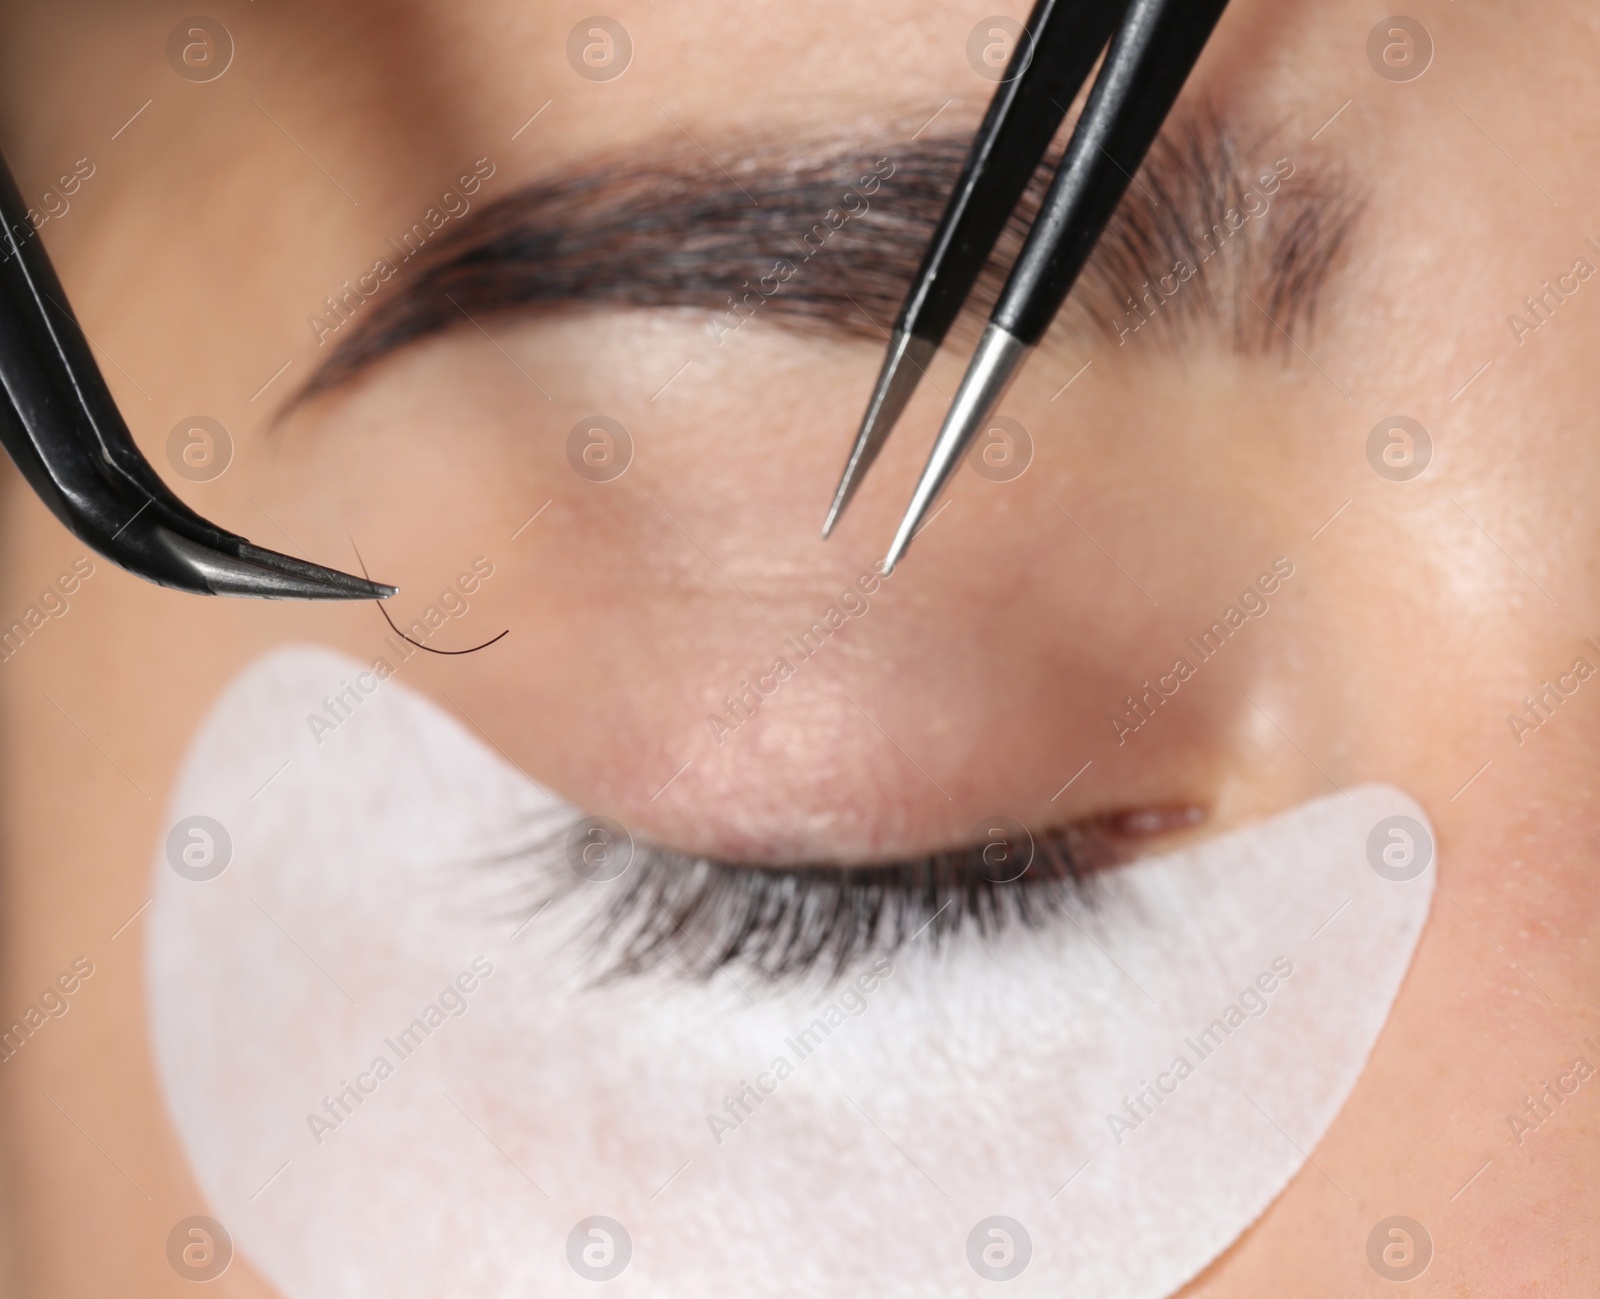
{"x":60,"y":425}
{"x":1150,"y":58}
{"x":1062,"y":40}
{"x":52,"y":381}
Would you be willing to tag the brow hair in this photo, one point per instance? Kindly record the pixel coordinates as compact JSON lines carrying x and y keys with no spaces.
{"x":670,"y":228}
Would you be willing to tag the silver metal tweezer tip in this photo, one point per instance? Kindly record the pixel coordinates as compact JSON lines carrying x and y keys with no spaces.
{"x":235,"y":568}
{"x":903,"y":367}
{"x":996,"y":361}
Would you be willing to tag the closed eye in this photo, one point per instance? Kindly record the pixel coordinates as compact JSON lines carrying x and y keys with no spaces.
{"x":693,"y":916}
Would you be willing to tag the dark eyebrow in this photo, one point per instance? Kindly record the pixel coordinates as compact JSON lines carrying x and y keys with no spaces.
{"x":828,"y":238}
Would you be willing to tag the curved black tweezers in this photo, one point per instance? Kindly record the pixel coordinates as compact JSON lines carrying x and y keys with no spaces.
{"x":60,"y":425}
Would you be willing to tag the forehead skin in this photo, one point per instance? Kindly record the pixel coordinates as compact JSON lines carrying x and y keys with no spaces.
{"x":1164,"y":480}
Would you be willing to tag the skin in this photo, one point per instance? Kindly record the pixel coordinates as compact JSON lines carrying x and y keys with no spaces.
{"x":1417,"y":619}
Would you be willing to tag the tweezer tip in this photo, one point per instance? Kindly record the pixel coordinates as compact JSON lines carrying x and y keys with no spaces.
{"x":903,"y":365}
{"x":902,"y":539}
{"x":993,"y":367}
{"x":267,"y":573}
{"x":840,"y":500}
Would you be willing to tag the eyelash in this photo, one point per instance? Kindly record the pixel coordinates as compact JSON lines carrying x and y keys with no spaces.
{"x":693,"y":916}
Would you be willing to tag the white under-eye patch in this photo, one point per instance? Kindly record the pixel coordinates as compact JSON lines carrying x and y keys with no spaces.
{"x":385,"y":1090}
